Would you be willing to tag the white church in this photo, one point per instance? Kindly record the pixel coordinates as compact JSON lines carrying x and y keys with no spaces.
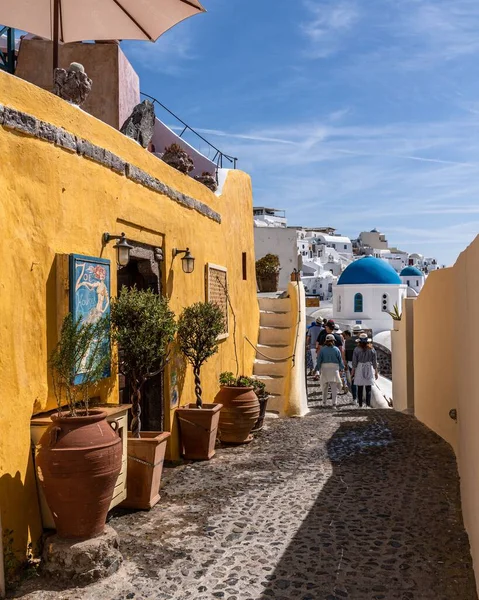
{"x":368,"y":289}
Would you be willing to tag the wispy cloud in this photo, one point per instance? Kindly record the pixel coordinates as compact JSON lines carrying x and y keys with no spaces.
{"x":168,"y":55}
{"x":328,"y":22}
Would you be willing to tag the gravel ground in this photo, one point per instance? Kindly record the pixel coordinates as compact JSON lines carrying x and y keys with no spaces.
{"x":349,"y":503}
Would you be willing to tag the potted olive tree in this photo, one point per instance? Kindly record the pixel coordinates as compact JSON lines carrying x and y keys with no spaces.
{"x":143,"y":326}
{"x":79,"y":456}
{"x":199,"y":326}
{"x":241,"y":408}
{"x":267,"y":273}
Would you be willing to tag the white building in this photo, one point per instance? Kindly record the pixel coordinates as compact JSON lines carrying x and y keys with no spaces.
{"x":269,"y":217}
{"x":365,"y":293}
{"x":413,"y":278}
{"x":281,"y":241}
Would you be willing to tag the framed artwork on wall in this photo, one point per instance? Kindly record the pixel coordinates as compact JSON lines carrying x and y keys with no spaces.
{"x":90,"y":295}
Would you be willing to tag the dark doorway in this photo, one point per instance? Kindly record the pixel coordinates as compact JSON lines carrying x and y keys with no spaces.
{"x":143,"y":271}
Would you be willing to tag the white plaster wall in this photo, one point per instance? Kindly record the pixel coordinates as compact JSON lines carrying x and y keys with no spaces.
{"x":416,"y":283}
{"x":280,"y":241}
{"x":372,"y":315}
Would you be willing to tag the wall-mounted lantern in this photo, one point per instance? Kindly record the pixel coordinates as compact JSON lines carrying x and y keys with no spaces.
{"x":187,"y":262}
{"x":122,"y":248}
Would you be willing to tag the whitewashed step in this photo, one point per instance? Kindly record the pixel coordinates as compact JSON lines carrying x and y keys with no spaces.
{"x":264,"y":352}
{"x":275,"y":304}
{"x":267,"y":367}
{"x":276,"y":403}
{"x":274,"y":319}
{"x":274,"y":335}
{"x":274,"y":385}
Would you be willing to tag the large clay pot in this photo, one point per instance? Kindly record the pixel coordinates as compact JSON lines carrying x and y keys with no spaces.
{"x":146,"y":456}
{"x":198,"y":427}
{"x":268,"y":283}
{"x":263,"y":402}
{"x":239,"y":415}
{"x":78,"y":463}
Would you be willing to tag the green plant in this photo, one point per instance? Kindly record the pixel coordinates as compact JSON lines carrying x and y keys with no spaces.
{"x":144,"y":327}
{"x":79,"y":360}
{"x":227,"y":379}
{"x":199,"y":326}
{"x":16,"y":569}
{"x":395,"y":314}
{"x":268,"y":265}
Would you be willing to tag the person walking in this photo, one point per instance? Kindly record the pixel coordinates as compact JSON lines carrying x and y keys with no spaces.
{"x":314,"y":331}
{"x":329,"y":364}
{"x":365,"y":368}
{"x":349,"y":346}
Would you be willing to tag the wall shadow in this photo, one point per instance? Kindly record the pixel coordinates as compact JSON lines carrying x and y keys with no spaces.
{"x":386,"y":525}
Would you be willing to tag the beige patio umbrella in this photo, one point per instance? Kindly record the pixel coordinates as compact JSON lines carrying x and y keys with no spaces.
{"x":79,"y":20}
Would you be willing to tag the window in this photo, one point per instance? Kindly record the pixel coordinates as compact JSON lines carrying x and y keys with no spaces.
{"x":417,"y":283}
{"x":358,"y":303}
{"x":408,"y":283}
{"x":244,"y":267}
{"x":345,"y":246}
{"x":321,"y":285}
{"x":339,"y":304}
{"x":385,"y":303}
{"x":314,"y":290}
{"x":217,"y":291}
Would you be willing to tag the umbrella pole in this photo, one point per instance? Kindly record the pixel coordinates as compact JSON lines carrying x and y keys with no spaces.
{"x":56,"y":26}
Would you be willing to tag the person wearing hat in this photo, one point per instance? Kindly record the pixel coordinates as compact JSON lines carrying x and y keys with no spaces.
{"x":349,"y":346}
{"x":330,"y":363}
{"x":329,"y":330}
{"x":314,"y":331}
{"x":365,"y":368}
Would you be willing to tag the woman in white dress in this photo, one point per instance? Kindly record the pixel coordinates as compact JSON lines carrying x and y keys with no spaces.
{"x":365,"y":368}
{"x":329,"y":365}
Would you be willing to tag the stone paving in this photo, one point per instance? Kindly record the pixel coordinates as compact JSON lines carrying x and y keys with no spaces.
{"x":349,"y":503}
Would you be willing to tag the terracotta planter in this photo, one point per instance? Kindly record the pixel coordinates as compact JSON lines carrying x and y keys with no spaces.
{"x":146,"y":456}
{"x":78,"y":463}
{"x":263,"y":402}
{"x":239,"y":415}
{"x":198,"y":429}
{"x":268,"y":283}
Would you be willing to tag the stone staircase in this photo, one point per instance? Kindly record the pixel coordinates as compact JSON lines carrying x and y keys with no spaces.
{"x":274,"y":343}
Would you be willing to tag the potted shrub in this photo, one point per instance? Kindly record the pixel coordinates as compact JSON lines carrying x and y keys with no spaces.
{"x":396,"y":316}
{"x":199,"y":326}
{"x":79,"y":457}
{"x":208,"y":179}
{"x":267,"y":273}
{"x":240,"y":408}
{"x":177,"y":158}
{"x":143,"y":326}
{"x":262,"y":395}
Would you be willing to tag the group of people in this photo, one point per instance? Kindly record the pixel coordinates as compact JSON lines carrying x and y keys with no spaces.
{"x":335,"y":354}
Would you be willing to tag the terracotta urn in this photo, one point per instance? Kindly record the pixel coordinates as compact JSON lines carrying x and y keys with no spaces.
{"x":239,"y":414}
{"x":78,"y":462}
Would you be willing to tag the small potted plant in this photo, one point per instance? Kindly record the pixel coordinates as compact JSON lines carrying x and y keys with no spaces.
{"x":262,"y":395}
{"x":144,"y":327}
{"x":240,"y":408}
{"x":208,"y":179}
{"x":199,"y":326}
{"x":396,"y":316}
{"x":80,"y":454}
{"x":267,"y":273}
{"x":177,"y":158}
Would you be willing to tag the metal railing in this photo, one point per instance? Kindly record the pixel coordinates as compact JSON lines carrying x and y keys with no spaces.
{"x":8,"y":59}
{"x":218,"y":157}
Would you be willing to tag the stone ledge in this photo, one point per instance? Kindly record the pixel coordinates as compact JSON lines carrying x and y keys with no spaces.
{"x":82,"y":562}
{"x":29,"y":125}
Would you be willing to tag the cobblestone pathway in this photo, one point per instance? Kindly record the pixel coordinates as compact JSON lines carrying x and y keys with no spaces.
{"x":358,"y":504}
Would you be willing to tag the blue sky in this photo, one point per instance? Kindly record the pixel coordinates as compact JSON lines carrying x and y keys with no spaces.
{"x":350,"y":113}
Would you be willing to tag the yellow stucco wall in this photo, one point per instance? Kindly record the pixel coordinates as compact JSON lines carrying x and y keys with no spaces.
{"x":56,"y":202}
{"x":435,"y":390}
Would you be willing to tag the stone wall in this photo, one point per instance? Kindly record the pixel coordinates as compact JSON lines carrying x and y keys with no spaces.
{"x":384,"y":361}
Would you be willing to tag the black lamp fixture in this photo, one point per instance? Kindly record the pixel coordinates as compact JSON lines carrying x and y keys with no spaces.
{"x":122,"y":248}
{"x":187,"y":262}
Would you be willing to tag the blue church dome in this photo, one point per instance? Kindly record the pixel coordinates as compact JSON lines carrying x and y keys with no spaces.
{"x":369,"y":270}
{"x":411,"y":272}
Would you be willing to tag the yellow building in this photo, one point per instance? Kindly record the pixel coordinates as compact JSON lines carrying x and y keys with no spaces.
{"x":66,"y":178}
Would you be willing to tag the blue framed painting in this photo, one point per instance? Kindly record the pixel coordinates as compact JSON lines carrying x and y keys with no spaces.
{"x":90,"y":295}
